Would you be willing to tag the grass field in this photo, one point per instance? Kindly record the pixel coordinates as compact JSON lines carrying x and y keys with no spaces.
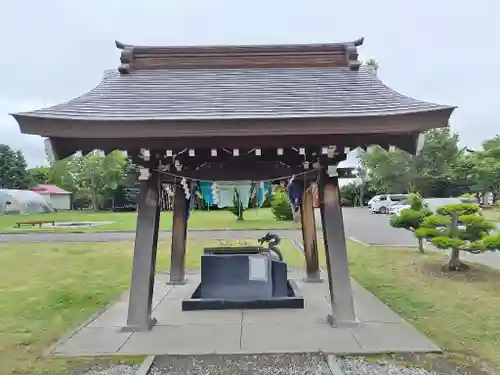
{"x":126,"y":221}
{"x":460,"y":312}
{"x":492,"y":214}
{"x":48,"y":289}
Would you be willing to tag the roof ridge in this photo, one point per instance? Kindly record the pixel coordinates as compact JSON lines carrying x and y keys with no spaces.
{"x":232,"y":56}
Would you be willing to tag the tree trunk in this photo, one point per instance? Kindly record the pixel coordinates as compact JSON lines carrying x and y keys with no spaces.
{"x":455,"y":264}
{"x":95,"y":202}
{"x":484,"y":198}
{"x":420,"y":245}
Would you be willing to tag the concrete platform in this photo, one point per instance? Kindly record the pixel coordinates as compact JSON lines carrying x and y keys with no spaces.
{"x":179,"y":332}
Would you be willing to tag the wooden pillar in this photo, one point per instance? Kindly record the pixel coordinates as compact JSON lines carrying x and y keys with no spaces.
{"x":309,"y":238}
{"x":336,"y":251}
{"x":145,"y":249}
{"x":179,"y":238}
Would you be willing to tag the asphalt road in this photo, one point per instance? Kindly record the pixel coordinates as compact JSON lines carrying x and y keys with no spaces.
{"x":373,"y":229}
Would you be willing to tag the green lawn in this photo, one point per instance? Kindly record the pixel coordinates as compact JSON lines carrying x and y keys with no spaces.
{"x":126,"y":221}
{"x":48,"y":289}
{"x":492,"y":214}
{"x":460,"y":312}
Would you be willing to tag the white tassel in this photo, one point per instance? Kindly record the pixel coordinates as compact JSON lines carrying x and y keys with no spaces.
{"x":144,"y":174}
{"x":215,"y":193}
{"x":185,"y":187}
{"x":145,"y":154}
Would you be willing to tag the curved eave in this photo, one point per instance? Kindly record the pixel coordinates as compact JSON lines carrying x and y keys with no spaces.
{"x":410,"y":122}
{"x":229,"y":116}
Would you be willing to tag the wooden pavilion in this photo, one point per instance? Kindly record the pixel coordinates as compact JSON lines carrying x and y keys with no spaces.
{"x":237,"y":113}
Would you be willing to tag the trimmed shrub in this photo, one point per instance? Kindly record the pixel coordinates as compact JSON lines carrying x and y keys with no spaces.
{"x":281,"y":207}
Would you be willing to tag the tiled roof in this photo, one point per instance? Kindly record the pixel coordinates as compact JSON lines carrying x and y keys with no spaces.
{"x":237,"y":93}
{"x":45,"y":189}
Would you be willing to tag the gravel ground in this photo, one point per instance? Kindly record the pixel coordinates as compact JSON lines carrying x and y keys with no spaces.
{"x":113,"y":370}
{"x":292,"y":364}
{"x":242,"y":365}
{"x":359,"y":366}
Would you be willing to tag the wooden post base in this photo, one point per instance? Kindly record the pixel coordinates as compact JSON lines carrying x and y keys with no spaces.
{"x":309,"y":237}
{"x":336,"y":251}
{"x":144,"y":263}
{"x":179,"y":238}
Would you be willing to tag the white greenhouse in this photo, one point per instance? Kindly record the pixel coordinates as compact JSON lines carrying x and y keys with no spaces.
{"x":22,"y":201}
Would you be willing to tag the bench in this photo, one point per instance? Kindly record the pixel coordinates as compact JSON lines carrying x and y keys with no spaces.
{"x":35,"y":222}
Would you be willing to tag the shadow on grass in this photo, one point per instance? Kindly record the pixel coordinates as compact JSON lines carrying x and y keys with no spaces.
{"x":477,"y":273}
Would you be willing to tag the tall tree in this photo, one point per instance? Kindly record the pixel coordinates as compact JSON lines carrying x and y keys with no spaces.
{"x":91,"y":177}
{"x":432,"y":173}
{"x":13,"y":169}
{"x":41,"y":175}
{"x":464,"y":175}
{"x":389,"y":171}
{"x":486,"y":167}
{"x":434,"y":167}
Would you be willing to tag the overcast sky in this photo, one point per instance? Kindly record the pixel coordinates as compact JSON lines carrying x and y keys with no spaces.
{"x":442,"y":51}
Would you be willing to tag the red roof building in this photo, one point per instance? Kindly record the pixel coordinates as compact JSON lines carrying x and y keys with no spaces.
{"x":45,"y":189}
{"x":60,"y":199}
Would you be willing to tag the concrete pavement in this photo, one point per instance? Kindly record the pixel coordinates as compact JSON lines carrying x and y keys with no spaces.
{"x":271,"y":331}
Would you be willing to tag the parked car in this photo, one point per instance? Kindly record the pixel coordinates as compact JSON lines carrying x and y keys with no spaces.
{"x":396,"y":208}
{"x":381,"y":203}
{"x":432,"y":204}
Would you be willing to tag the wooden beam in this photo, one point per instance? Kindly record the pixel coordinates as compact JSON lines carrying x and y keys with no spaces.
{"x":247,"y":171}
{"x":336,"y":251}
{"x":179,"y":238}
{"x":309,"y":237}
{"x":67,"y":146}
{"x":144,"y":263}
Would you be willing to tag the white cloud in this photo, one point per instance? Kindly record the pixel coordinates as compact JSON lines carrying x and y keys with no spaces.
{"x":32,"y":146}
{"x":439,"y":51}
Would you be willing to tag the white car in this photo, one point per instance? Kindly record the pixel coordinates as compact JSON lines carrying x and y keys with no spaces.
{"x":396,"y":209}
{"x":381,"y":203}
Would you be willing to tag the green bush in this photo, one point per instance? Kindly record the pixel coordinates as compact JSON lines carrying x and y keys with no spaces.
{"x":237,"y":209}
{"x":429,"y":233}
{"x":459,"y":209}
{"x":461,"y":227}
{"x":492,"y":242}
{"x":281,"y":207}
{"x":348,"y":195}
{"x":416,"y":203}
{"x":446,"y":242}
{"x":412,"y":218}
{"x":436,"y":221}
{"x":409,"y":219}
